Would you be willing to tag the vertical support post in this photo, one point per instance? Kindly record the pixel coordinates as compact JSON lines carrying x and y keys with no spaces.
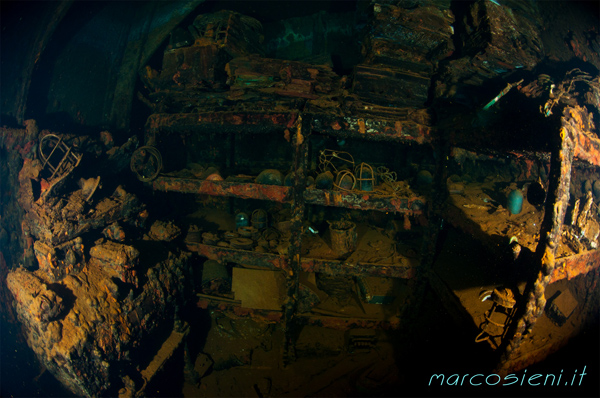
{"x":429,"y":247}
{"x":300,"y":133}
{"x":550,"y":232}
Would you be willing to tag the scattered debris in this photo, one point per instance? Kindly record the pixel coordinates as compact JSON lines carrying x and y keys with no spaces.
{"x":498,"y":318}
{"x":89,"y":310}
{"x":164,"y":231}
{"x":203,"y":364}
{"x":561,"y":307}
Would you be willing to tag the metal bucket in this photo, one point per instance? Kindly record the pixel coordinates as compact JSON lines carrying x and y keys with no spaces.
{"x":259,"y":219}
{"x":343,"y":237}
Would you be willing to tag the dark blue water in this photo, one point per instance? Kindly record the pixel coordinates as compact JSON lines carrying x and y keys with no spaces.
{"x":19,"y":368}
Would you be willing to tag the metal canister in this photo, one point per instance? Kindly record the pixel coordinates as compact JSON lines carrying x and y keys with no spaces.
{"x":259,"y":219}
{"x":343,"y":237}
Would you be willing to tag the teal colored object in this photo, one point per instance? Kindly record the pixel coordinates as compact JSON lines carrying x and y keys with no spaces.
{"x":515,"y":201}
{"x":241,"y":220}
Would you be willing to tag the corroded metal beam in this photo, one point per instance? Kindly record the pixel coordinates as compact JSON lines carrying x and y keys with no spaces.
{"x":339,"y":323}
{"x":164,"y":354}
{"x":570,"y":267}
{"x":364,"y":201}
{"x":234,"y":308}
{"x":274,"y":193}
{"x":275,"y":261}
{"x":550,"y":233}
{"x":281,"y":194}
{"x":406,"y":131}
{"x":272,"y":261}
{"x":586,"y":144}
{"x":335,"y":267}
{"x":300,"y":138}
{"x":217,"y":121}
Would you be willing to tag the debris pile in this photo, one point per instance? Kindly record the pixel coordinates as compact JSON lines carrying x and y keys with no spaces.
{"x":89,"y":303}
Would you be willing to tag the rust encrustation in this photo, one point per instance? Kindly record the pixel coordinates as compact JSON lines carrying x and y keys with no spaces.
{"x":274,"y":193}
{"x":267,"y":260}
{"x":336,"y":267}
{"x":578,"y":264}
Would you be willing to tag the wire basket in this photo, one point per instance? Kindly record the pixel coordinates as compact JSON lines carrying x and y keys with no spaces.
{"x":365,"y":177}
{"x":345,"y":181}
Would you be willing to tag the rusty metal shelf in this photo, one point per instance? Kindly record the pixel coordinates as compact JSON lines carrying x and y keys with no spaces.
{"x":272,"y":193}
{"x":235,"y":308}
{"x":380,"y":129}
{"x":456,"y":213}
{"x":274,"y":261}
{"x":245,"y":257}
{"x":401,"y":131}
{"x":219,"y":121}
{"x":472,"y":210}
{"x":338,"y":267}
{"x":493,"y":141}
{"x":364,"y":201}
{"x":282,"y":194}
{"x":349,"y":322}
{"x":341,"y":322}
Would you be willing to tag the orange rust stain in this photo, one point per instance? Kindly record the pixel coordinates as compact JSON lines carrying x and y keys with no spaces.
{"x":292,"y":121}
{"x":585,"y":149}
{"x":327,"y":199}
{"x":337,"y":197}
{"x":407,"y":226}
{"x":336,"y":125}
{"x":299,"y":136}
{"x":44,"y":185}
{"x":529,"y":164}
{"x":398,"y":126}
{"x":203,"y":304}
{"x":361,"y":126}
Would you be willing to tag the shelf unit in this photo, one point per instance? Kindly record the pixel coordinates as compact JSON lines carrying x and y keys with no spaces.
{"x":472,"y":209}
{"x":298,"y":128}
